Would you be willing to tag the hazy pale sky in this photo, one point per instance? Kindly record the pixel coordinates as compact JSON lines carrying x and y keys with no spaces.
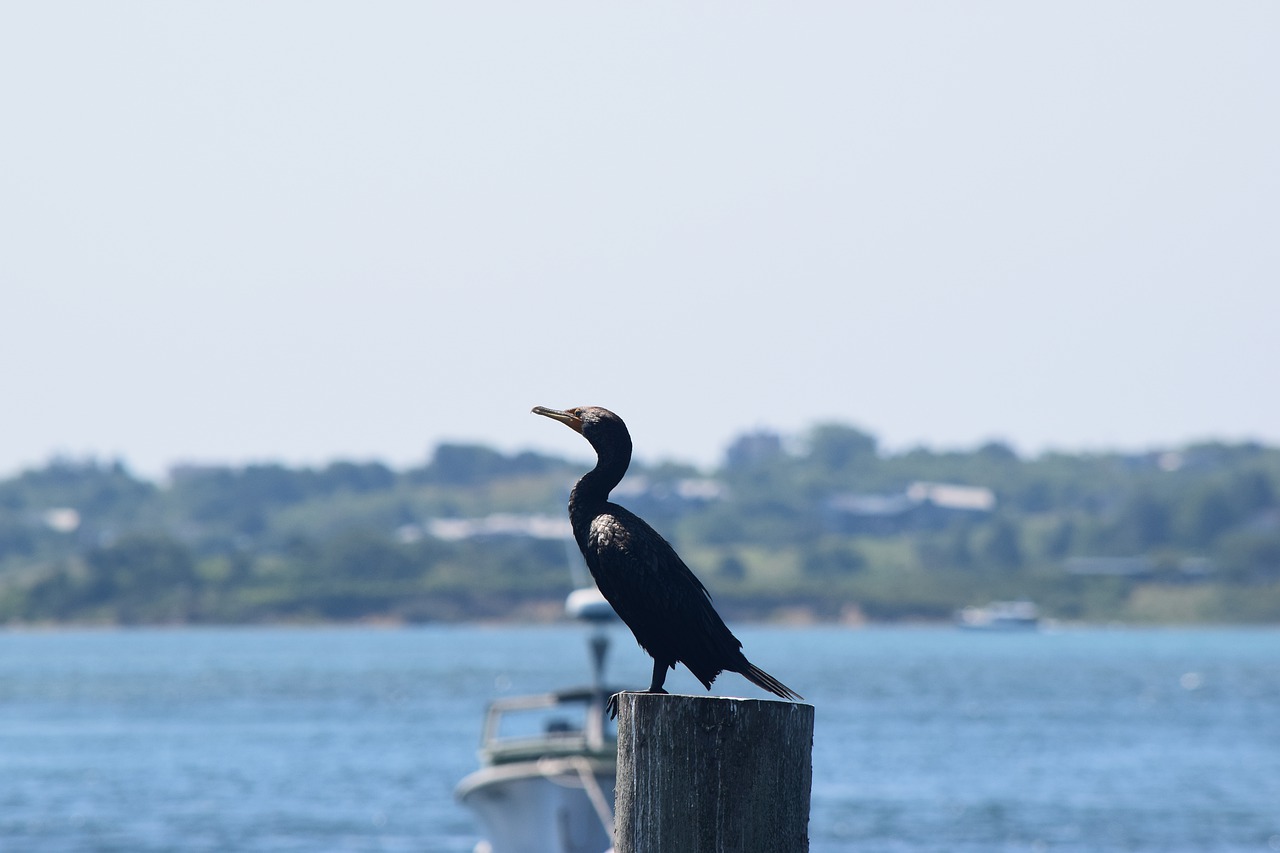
{"x":311,"y":230}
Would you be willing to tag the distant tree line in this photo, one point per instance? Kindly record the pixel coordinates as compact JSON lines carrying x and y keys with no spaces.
{"x":825,"y":523}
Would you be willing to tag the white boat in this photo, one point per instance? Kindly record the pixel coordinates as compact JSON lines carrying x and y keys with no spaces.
{"x":1000,"y":616}
{"x":548,"y":762}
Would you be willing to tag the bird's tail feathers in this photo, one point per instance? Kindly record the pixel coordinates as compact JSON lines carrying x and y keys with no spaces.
{"x":762,"y":679}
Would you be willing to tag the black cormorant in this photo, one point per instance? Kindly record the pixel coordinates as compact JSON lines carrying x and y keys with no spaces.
{"x":640,"y":574}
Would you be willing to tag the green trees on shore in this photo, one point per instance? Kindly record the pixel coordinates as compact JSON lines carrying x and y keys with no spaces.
{"x":825,"y":525}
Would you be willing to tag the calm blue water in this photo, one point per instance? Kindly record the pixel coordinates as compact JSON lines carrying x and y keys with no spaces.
{"x":352,"y":739}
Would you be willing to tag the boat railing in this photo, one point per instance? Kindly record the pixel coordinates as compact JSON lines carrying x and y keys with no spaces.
{"x":584,"y":729}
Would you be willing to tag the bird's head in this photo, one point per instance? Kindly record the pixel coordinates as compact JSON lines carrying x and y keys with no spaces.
{"x":592,"y":422}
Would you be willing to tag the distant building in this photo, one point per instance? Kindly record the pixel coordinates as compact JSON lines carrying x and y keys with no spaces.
{"x":875,"y":514}
{"x":501,"y":524}
{"x":922,"y":506}
{"x":638,"y":491}
{"x":948,"y":496}
{"x":689,"y":490}
{"x":61,"y":519}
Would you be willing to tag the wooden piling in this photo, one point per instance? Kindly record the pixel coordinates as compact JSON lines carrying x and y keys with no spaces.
{"x":703,"y":773}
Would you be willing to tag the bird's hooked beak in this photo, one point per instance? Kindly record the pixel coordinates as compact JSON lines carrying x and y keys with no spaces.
{"x":569,"y":419}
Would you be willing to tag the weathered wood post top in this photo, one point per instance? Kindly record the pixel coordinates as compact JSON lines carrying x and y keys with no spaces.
{"x":706,"y":773}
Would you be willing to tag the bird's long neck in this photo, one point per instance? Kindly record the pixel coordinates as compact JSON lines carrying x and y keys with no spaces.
{"x":592,"y":491}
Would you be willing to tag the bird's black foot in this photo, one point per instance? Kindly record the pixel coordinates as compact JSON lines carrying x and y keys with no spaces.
{"x":612,"y":705}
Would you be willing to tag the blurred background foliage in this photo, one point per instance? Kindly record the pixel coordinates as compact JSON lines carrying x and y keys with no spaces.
{"x":825,"y":525}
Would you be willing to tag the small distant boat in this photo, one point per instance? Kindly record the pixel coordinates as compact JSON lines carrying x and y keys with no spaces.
{"x":548,"y":762}
{"x":1000,"y":616}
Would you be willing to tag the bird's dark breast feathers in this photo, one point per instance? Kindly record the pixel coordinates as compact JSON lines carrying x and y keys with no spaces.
{"x":652,"y":590}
